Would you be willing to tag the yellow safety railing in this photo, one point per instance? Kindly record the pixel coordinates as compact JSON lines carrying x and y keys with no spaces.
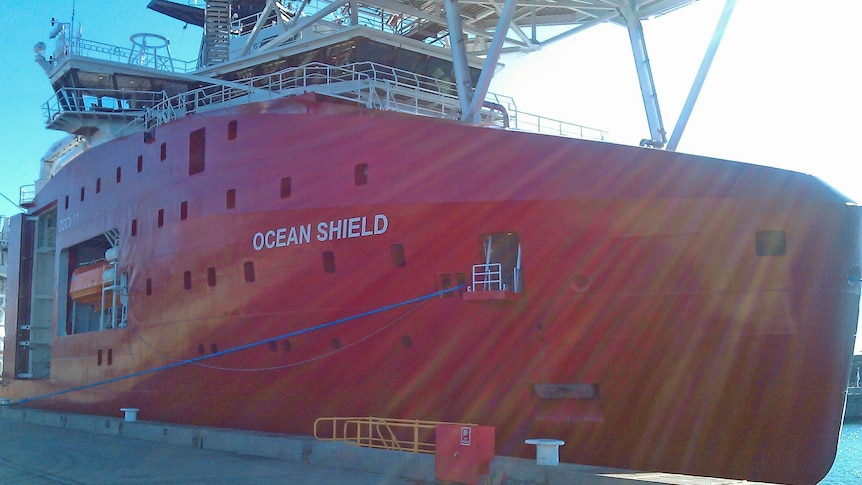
{"x":411,"y":435}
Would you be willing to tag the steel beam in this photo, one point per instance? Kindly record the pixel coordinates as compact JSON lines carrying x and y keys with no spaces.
{"x":708,"y":56}
{"x":629,"y":13}
{"x":490,"y":66}
{"x":459,"y":57}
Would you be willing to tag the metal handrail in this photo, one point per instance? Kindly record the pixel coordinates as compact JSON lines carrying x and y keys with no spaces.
{"x":27,"y":194}
{"x":113,"y":53}
{"x":412,"y":435}
{"x":487,"y":277}
{"x":373,"y":85}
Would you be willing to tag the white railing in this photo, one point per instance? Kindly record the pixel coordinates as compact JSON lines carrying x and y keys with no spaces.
{"x":27,"y":194}
{"x":373,"y":85}
{"x":125,"y":55}
{"x":487,"y":277}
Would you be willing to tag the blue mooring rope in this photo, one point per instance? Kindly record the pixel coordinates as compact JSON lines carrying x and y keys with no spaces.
{"x":237,"y":349}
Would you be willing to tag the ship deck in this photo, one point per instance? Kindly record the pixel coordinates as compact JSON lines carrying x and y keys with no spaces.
{"x":49,"y":447}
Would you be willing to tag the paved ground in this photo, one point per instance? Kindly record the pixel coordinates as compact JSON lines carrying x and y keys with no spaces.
{"x":35,"y":455}
{"x":43,"y":447}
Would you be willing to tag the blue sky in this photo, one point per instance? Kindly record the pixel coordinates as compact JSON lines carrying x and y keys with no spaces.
{"x":24,"y":87}
{"x":785,"y":88}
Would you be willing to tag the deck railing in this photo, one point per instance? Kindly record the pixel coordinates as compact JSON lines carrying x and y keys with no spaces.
{"x":373,"y":85}
{"x":411,"y":435}
{"x":125,"y":55}
{"x":27,"y":194}
{"x":487,"y":277}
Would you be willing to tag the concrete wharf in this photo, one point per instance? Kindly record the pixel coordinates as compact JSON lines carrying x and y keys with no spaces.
{"x":42,"y":447}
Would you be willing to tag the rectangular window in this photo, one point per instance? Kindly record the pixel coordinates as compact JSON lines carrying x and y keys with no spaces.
{"x":329,"y":262}
{"x":184,"y":210}
{"x":360,"y":174}
{"x":163,"y":152}
{"x":230,"y":199}
{"x":187,"y":280}
{"x":140,"y":163}
{"x":231,"y":130}
{"x":197,"y":150}
{"x":285,"y":187}
{"x":770,"y":243}
{"x":149,"y":286}
{"x":82,"y":194}
{"x":134,"y":227}
{"x":211,"y":276}
{"x":461,"y":279}
{"x":66,"y":205}
{"x":446,"y":283}
{"x":248,"y":269}
{"x":161,"y":217}
{"x":398,"y":258}
{"x":119,"y":174}
{"x":98,"y":184}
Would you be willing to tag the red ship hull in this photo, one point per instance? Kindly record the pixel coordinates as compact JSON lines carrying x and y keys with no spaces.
{"x":677,"y":313}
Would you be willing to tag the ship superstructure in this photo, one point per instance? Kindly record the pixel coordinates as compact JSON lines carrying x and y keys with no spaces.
{"x":4,"y":265}
{"x":329,"y":215}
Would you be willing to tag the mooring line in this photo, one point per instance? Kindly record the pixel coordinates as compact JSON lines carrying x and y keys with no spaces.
{"x":241,"y":347}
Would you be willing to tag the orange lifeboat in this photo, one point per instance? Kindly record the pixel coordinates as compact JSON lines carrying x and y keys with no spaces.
{"x":86,"y":285}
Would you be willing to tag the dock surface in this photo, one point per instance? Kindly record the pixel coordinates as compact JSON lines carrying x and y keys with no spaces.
{"x":41,"y":447}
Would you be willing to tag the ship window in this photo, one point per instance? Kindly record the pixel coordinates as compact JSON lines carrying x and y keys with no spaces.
{"x":398,"y":258}
{"x":406,"y":59}
{"x":98,"y":185}
{"x":149,"y":286}
{"x":187,"y":280}
{"x":248,"y":269}
{"x":138,"y":83}
{"x":161,"y":217}
{"x":230,"y":199}
{"x":360,"y":174}
{"x":440,"y":69}
{"x":770,"y":243}
{"x":329,"y":262}
{"x":184,"y":210}
{"x":140,"y":163}
{"x":99,"y":357}
{"x":110,"y":356}
{"x":163,"y":152}
{"x":285,"y":187}
{"x":134,"y":227}
{"x":341,"y":54}
{"x":211,"y":276}
{"x":231,"y":130}
{"x":445,"y":283}
{"x":119,"y":174}
{"x":82,"y":194}
{"x":376,"y":52}
{"x":66,"y":204}
{"x":197,"y":150}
